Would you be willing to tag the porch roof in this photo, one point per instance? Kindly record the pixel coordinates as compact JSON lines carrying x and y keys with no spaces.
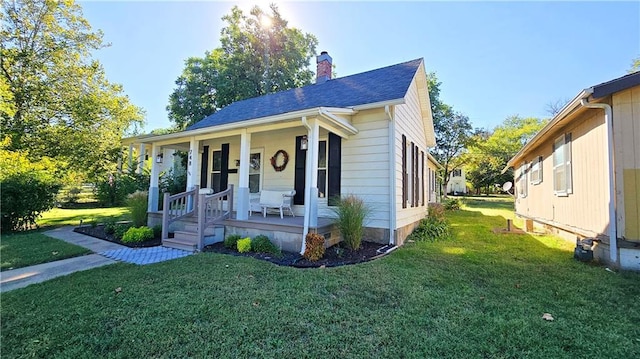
{"x":375,"y":86}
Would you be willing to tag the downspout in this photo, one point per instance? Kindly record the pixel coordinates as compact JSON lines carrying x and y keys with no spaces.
{"x":392,"y":176}
{"x":307,"y":198}
{"x":608,"y":121}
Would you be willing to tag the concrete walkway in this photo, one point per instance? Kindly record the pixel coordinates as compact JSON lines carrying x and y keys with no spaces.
{"x":107,"y":253}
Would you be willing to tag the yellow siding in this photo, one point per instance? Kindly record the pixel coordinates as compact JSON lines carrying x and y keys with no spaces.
{"x":626,"y":115}
{"x":584,"y":211}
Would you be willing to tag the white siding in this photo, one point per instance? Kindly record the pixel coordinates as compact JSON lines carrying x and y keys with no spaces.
{"x":408,"y":122}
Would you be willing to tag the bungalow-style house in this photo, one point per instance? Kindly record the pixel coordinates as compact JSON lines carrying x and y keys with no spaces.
{"x":365,"y":134}
{"x":580,"y":175}
{"x":457,"y":182}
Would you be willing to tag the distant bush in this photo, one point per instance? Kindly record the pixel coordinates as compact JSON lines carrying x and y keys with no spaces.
{"x":244,"y":245}
{"x":351,"y":212}
{"x":314,"y":247}
{"x":231,"y":241}
{"x":28,"y":188}
{"x":452,"y":204}
{"x":262,"y":244}
{"x":113,"y":190}
{"x":174,"y":180}
{"x":140,"y":234}
{"x":137,"y":203}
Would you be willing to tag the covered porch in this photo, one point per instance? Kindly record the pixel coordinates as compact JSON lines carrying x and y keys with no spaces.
{"x":296,"y":151}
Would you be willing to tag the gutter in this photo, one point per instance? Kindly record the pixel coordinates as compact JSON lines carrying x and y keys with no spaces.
{"x":608,"y":121}
{"x":392,"y":176}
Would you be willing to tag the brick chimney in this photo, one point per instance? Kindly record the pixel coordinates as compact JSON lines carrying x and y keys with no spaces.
{"x":324,"y":62}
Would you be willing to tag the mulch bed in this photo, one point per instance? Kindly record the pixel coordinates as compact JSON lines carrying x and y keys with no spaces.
{"x":334,"y":256}
{"x":98,"y":232}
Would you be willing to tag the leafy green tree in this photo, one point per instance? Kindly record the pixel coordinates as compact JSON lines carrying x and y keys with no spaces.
{"x":489,"y":153}
{"x":56,"y":100}
{"x":453,"y":132}
{"x":635,"y":65}
{"x":259,"y":54}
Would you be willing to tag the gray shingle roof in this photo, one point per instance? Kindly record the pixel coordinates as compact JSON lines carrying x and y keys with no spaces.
{"x":384,"y":84}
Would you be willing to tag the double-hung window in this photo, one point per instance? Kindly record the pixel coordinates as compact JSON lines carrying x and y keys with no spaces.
{"x":562,"y":185}
{"x":522,"y":180}
{"x":536,"y":171}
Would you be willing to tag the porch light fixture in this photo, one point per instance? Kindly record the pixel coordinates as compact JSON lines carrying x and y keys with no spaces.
{"x":237,"y":163}
{"x":304,"y":143}
{"x":159,"y":158}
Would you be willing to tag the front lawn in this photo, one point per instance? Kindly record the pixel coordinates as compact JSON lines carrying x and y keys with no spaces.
{"x":481,"y":295}
{"x":71,"y":217}
{"x":29,"y":248}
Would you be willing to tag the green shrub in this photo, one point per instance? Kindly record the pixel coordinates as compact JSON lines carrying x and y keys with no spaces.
{"x":452,"y":204}
{"x":435,"y":210}
{"x":113,"y":190}
{"x":431,"y":228}
{"x":135,"y":235}
{"x":174,"y":180}
{"x":137,"y":203}
{"x":120,"y":230}
{"x":262,"y":244}
{"x":231,"y":241}
{"x":157,"y":231}
{"x":314,"y":247}
{"x":351,"y":212}
{"x":244,"y":245}
{"x":110,"y":227}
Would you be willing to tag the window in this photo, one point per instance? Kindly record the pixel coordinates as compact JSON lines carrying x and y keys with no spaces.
{"x":522,"y":180}
{"x":562,"y":165}
{"x":536,"y":171}
{"x":255,"y":170}
{"x":405,"y":173}
{"x":322,"y":169}
{"x":457,"y":173}
{"x":216,"y":171}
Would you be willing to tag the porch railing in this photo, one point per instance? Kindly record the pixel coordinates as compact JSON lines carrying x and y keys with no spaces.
{"x":212,"y":210}
{"x":178,"y":206}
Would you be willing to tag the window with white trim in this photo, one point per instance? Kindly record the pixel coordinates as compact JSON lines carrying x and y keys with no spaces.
{"x":536,"y":171}
{"x":522,"y":180}
{"x":255,"y":171}
{"x":322,"y":168}
{"x":562,"y":185}
{"x":457,"y":173}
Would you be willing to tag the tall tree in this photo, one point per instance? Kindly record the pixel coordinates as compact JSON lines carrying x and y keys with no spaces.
{"x":635,"y":65}
{"x":259,"y":54}
{"x":56,"y":100}
{"x":453,"y":131}
{"x":489,"y":153}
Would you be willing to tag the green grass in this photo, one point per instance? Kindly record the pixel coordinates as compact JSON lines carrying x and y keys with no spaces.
{"x":479,"y":296}
{"x":72,"y":217}
{"x":25,"y":249}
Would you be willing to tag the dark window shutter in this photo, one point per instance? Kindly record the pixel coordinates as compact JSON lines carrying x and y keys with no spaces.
{"x":204,"y":167}
{"x":299,"y":173}
{"x":404,"y":171}
{"x":335,"y":169}
{"x":422,"y":179}
{"x":224,"y":171}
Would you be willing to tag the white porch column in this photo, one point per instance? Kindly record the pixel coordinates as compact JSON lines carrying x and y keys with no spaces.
{"x":140,"y":164}
{"x":192,"y":164}
{"x":242,"y":204}
{"x":154,"y":180}
{"x":130,"y":158}
{"x":311,"y":180}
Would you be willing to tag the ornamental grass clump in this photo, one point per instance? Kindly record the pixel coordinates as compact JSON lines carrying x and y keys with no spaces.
{"x":314,"y":247}
{"x":137,"y":203}
{"x":351,"y":213}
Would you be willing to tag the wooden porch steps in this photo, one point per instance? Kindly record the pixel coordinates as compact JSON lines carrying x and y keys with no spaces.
{"x":188,"y":239}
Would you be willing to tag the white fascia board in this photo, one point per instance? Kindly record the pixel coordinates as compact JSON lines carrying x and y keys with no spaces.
{"x":560,"y":118}
{"x":380,"y":104}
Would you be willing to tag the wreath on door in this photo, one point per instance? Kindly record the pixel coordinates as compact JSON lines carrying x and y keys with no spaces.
{"x":276,"y":157}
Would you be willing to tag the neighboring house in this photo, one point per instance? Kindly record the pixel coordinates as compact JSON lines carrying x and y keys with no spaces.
{"x":457,"y":182}
{"x":580,"y":175}
{"x":367,"y":134}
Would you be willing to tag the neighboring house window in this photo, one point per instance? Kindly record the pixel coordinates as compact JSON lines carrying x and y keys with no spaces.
{"x":536,"y":171}
{"x":562,"y":165}
{"x":255,"y":172}
{"x":322,"y":169}
{"x":522,"y":180}
{"x":457,"y":173}
{"x":216,"y":171}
